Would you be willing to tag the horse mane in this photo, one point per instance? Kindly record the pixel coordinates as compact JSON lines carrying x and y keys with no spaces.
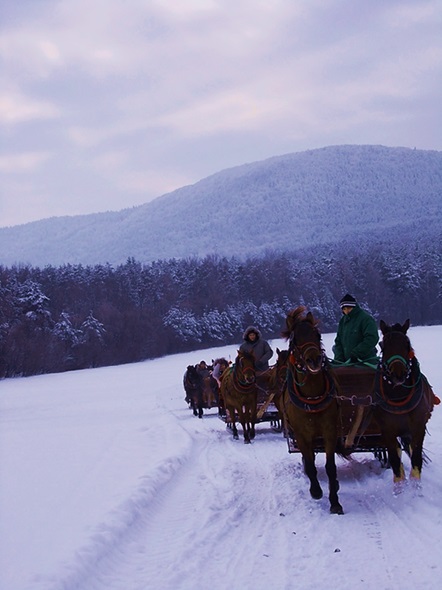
{"x":294,"y":317}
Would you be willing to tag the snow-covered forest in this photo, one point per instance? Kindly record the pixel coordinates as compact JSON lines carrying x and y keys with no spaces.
{"x":73,"y":316}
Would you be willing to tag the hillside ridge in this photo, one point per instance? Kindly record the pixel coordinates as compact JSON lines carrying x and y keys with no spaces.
{"x":285,"y":202}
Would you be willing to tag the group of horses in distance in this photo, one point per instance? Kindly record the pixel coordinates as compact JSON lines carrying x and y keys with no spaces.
{"x":306,"y":391}
{"x":201,"y":387}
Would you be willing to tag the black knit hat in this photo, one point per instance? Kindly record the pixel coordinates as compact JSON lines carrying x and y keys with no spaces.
{"x":348,"y":301}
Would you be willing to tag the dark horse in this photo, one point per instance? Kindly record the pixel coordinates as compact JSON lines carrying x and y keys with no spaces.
{"x":193,"y":385}
{"x":277,"y":381}
{"x":309,"y":401}
{"x":403,"y":400}
{"x":239,"y":394}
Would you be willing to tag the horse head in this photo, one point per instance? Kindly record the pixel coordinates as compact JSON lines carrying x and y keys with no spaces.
{"x":304,"y":340}
{"x":193,"y":378}
{"x":282,"y":357}
{"x":245,"y":367}
{"x":278,"y":373}
{"x":397,"y":354}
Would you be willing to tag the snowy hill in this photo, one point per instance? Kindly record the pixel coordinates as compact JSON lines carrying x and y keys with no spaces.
{"x":108,"y":482}
{"x":286,"y":202}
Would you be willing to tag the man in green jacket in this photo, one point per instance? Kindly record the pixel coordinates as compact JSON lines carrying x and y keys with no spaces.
{"x":357,"y":334}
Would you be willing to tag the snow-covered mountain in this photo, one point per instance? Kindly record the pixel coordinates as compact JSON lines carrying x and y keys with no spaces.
{"x":282,"y":203}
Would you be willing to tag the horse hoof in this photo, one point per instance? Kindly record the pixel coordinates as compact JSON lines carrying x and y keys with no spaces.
{"x":316,"y":493}
{"x":336,"y":509}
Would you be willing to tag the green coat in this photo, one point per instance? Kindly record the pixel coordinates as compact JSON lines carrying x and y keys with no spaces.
{"x":356,"y":337}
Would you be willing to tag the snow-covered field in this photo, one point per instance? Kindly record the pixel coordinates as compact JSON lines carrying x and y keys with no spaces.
{"x":108,"y":482}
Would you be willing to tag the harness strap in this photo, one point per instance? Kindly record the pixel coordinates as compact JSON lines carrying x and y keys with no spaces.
{"x":241,"y":385}
{"x":412,"y":394}
{"x":310,"y":404}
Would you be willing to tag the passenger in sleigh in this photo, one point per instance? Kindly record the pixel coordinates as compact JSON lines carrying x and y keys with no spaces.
{"x":255,"y":343}
{"x":357,"y":335}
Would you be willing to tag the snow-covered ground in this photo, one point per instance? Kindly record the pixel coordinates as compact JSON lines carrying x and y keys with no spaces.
{"x":108,"y":482}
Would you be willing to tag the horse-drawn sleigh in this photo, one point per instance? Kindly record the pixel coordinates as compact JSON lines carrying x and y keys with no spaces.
{"x":260,"y":391}
{"x":335,"y":409}
{"x":343,"y":410}
{"x":201,"y":388}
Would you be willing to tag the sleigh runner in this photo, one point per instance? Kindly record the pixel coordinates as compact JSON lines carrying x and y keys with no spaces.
{"x":268,"y":386}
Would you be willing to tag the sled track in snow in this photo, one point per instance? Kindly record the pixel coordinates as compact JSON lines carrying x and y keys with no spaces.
{"x":249,"y":506}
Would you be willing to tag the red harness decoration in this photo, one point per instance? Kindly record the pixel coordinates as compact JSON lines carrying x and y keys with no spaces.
{"x":309,"y":404}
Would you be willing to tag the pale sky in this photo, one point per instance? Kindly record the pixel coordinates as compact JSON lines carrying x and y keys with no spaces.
{"x":108,"y":104}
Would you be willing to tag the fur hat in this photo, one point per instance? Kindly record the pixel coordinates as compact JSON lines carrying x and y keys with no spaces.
{"x":348,"y":301}
{"x":251,"y":329}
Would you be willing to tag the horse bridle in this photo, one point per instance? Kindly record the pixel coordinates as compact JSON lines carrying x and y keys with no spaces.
{"x":298,"y":356}
{"x":407,"y":363}
{"x":245,"y":382}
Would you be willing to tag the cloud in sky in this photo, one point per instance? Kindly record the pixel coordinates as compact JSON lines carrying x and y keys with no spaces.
{"x":109,"y":104}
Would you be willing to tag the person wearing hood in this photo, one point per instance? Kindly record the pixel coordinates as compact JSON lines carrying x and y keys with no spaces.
{"x":254,"y":342}
{"x":357,"y":334}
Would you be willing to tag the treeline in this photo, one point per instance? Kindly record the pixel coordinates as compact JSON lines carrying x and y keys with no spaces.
{"x":73,"y":316}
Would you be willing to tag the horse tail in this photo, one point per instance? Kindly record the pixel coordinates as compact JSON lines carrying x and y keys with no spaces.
{"x":343,"y":451}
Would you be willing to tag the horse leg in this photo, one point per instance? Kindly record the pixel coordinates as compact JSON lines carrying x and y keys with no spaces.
{"x":417,"y":443}
{"x":249,"y":429}
{"x":221,"y":405}
{"x":251,"y":414}
{"x":308,"y":459}
{"x":394,"y":457}
{"x":245,"y":427}
{"x":333,"y":483}
{"x":252,"y":424}
{"x":193,"y":406}
{"x":231,"y":411}
{"x":235,"y":430}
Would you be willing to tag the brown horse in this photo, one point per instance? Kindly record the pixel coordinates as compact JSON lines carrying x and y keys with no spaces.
{"x":277,"y":381}
{"x":309,"y":401}
{"x":239,"y":394}
{"x":209,"y":392}
{"x":193,"y":386}
{"x":403,"y":400}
